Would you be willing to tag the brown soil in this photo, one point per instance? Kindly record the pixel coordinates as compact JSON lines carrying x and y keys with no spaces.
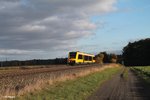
{"x":120,"y":88}
{"x":32,"y":71}
{"x":51,"y":68}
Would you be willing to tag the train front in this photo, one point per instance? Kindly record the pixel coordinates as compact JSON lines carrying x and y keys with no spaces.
{"x":72,"y":58}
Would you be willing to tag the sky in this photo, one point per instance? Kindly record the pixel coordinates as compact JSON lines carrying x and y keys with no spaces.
{"x":46,"y":29}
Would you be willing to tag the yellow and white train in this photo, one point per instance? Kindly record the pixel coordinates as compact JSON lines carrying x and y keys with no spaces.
{"x":80,"y":58}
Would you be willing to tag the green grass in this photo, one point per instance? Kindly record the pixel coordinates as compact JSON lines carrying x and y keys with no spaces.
{"x":125,"y":73}
{"x":143,"y":72}
{"x":78,"y":89}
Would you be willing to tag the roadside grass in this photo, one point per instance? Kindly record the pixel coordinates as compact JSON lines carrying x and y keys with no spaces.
{"x":125,"y":73}
{"x":77,"y":89}
{"x":143,"y":72}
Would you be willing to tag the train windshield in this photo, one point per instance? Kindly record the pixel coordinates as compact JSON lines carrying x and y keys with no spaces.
{"x":72,"y":55}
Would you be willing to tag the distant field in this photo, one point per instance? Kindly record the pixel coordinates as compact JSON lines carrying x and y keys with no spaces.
{"x":143,"y":72}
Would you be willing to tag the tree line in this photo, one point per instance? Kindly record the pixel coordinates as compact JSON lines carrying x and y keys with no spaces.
{"x":34,"y":62}
{"x":137,"y":53}
{"x":134,"y":54}
{"x":103,"y":57}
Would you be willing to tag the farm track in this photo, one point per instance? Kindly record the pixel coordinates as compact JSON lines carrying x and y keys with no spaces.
{"x":118,"y":88}
{"x":24,"y":72}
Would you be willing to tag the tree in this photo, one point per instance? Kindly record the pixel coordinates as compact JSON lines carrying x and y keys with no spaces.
{"x":106,"y":58}
{"x":113,"y":58}
{"x":137,"y":53}
{"x":99,"y":58}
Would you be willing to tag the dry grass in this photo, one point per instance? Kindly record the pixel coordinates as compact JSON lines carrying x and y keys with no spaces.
{"x":40,"y":81}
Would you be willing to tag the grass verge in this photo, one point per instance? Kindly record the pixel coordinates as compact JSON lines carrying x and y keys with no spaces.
{"x":143,"y":72}
{"x":77,"y":89}
{"x":124,"y":74}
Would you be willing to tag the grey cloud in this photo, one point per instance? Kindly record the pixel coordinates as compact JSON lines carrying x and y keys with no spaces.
{"x":47,"y":24}
{"x":13,"y":52}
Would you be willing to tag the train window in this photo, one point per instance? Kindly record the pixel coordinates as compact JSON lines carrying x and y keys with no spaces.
{"x":90,"y":58}
{"x":86,"y":58}
{"x":72,"y":54}
{"x":93,"y":58}
{"x":80,"y":57}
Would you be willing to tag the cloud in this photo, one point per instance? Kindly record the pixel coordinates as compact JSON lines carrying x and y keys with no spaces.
{"x":44,"y":25}
{"x":13,"y":52}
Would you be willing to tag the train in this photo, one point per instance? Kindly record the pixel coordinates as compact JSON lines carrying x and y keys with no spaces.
{"x":80,"y":58}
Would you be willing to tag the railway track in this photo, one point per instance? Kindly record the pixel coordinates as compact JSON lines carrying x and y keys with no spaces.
{"x":43,"y":70}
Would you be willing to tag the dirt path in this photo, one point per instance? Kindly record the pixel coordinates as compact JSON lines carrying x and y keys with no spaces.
{"x":119,"y":88}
